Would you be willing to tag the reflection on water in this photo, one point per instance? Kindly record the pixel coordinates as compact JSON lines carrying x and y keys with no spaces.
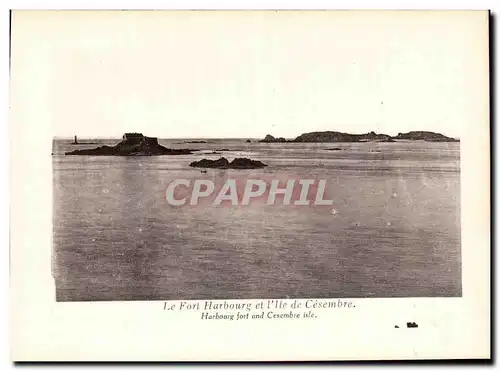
{"x":393,"y":230}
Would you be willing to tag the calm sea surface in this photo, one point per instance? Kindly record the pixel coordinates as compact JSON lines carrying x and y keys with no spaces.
{"x":393,"y":230}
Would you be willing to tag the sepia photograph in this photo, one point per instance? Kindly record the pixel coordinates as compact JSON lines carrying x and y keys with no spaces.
{"x":300,"y":110}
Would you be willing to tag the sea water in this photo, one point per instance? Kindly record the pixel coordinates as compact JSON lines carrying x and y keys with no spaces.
{"x":393,"y":229}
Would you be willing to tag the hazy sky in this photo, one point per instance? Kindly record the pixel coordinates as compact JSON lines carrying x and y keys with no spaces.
{"x":247,"y":74}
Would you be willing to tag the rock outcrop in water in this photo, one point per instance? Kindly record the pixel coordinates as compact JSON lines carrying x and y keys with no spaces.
{"x":133,"y":144}
{"x":223,"y":163}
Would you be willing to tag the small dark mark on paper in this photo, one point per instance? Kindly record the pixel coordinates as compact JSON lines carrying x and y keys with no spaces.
{"x":411,"y":324}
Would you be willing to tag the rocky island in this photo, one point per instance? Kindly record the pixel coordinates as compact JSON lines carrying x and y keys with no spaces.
{"x":223,"y":163}
{"x":336,"y":136}
{"x":132,"y":144}
{"x":428,"y":136}
{"x":193,"y":142}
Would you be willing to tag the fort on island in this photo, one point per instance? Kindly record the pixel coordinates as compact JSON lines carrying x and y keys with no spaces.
{"x":132,"y":144}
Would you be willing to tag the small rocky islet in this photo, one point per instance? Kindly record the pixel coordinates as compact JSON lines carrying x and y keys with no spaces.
{"x":136,"y":144}
{"x":223,"y":163}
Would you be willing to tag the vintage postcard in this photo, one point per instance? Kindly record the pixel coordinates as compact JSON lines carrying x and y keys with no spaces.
{"x":250,"y":185}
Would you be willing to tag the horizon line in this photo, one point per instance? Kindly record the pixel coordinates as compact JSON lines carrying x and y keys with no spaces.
{"x":243,"y":137}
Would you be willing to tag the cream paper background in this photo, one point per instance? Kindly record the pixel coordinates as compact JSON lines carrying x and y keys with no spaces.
{"x":45,"y":330}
